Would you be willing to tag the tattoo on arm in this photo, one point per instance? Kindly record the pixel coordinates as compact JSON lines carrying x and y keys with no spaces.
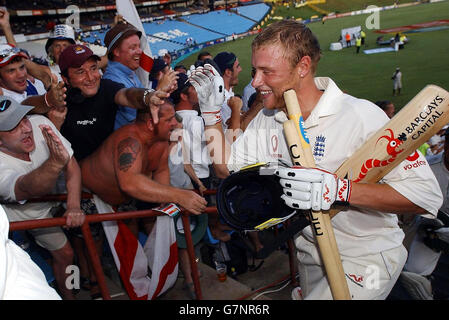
{"x":128,"y":149}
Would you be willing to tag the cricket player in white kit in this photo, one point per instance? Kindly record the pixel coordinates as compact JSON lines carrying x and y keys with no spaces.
{"x":285,"y":56}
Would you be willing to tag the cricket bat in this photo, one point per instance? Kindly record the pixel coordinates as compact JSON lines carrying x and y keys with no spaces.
{"x":297,"y":139}
{"x":399,"y":138}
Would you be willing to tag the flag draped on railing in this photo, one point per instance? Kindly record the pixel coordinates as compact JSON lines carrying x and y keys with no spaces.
{"x":159,"y":254}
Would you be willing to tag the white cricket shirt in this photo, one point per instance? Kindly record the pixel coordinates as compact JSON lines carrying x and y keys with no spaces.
{"x":337,"y":127}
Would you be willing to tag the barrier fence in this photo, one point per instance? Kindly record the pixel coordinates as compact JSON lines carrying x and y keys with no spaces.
{"x":95,"y":218}
{"x":89,"y":241}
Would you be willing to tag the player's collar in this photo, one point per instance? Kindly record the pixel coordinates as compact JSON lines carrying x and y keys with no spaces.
{"x":328,"y":103}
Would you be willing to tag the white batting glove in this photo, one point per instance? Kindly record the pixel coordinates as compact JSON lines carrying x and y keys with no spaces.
{"x":311,"y":188}
{"x":210,"y":90}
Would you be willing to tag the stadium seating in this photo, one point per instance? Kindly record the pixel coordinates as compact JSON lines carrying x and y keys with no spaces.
{"x":221,"y":21}
{"x":94,"y":35}
{"x":179,"y":31}
{"x":164,"y":32}
{"x":157,"y":44}
{"x":173,"y":35}
{"x":254,"y":11}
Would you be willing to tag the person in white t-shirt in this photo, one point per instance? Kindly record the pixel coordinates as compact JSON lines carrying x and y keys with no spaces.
{"x":60,"y":37}
{"x":13,"y":83}
{"x":33,"y":155}
{"x":20,"y":277}
{"x":186,"y":105}
{"x":285,"y":56}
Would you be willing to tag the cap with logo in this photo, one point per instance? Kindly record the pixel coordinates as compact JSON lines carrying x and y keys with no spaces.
{"x":60,"y":32}
{"x":8,"y":52}
{"x":74,"y":56}
{"x":119,"y":32}
{"x":11,"y":113}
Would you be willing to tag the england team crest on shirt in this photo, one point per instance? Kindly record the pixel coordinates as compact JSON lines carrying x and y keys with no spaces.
{"x":318,"y":149}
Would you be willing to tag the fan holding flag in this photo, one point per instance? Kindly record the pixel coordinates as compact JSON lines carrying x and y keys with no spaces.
{"x":130,"y":63}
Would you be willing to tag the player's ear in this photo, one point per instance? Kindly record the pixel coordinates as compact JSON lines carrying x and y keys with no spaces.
{"x":228,"y":72}
{"x":304,"y":66}
{"x":150,"y":124}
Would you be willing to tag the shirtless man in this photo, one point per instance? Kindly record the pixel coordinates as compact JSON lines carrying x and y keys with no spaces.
{"x":139,"y":168}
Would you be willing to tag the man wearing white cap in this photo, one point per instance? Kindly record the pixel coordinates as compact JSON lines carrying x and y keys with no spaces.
{"x":13,"y":82}
{"x":33,"y":154}
{"x":60,"y":38}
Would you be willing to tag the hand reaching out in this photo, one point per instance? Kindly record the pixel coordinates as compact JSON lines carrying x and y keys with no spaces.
{"x":154,"y":101}
{"x":168,"y":83}
{"x":4,"y":17}
{"x":56,"y":94}
{"x":59,"y":156}
{"x":192,"y":202}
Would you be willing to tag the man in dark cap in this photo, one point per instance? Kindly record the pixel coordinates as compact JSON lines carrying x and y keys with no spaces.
{"x":93,"y":102}
{"x":229,"y":69}
{"x":124,"y":54}
{"x":158,"y":71}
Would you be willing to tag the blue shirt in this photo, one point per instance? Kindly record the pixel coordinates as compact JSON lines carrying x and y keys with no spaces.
{"x":122,"y":74}
{"x":31,"y":89}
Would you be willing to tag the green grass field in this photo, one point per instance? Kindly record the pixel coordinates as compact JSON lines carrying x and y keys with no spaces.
{"x":423,"y":61}
{"x":351,"y":5}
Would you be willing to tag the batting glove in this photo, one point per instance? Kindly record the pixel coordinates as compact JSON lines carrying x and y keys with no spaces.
{"x":210,"y":90}
{"x":311,"y":188}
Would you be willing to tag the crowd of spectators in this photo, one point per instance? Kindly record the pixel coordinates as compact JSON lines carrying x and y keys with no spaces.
{"x":81,"y":101}
{"x":90,"y":122}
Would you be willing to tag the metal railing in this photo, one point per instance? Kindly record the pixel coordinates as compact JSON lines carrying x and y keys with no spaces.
{"x":89,"y":241}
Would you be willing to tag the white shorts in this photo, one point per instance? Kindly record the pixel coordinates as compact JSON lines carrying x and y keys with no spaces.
{"x":368,"y":277}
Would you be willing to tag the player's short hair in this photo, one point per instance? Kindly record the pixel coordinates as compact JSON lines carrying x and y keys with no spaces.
{"x":203,"y":54}
{"x":383,"y":104}
{"x":294,"y":37}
